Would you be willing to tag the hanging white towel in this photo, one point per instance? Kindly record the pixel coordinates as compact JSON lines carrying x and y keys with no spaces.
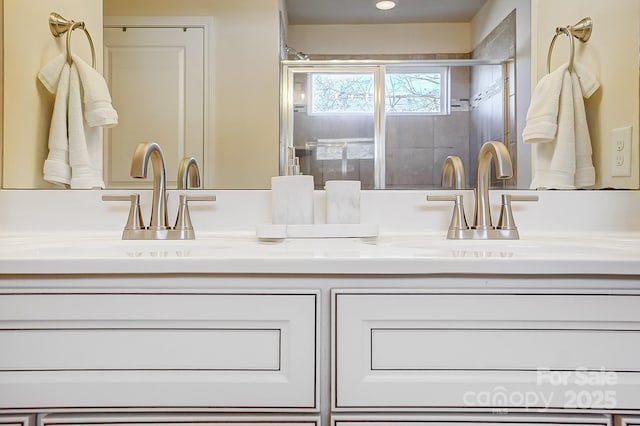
{"x":585,"y":173}
{"x":562,"y":159}
{"x":542,"y":117}
{"x":96,"y":102}
{"x":56,"y":166}
{"x":84,"y":141}
{"x":50,"y":73}
{"x":554,"y":165}
{"x":81,"y":107}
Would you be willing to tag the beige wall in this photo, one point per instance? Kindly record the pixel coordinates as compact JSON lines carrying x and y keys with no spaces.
{"x":28,"y":46}
{"x":380,"y":39}
{"x":245,"y":80}
{"x":612,"y":55}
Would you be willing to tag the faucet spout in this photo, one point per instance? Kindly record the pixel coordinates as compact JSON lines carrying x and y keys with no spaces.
{"x":188,"y":173}
{"x":145,"y":152}
{"x":453,"y":173}
{"x":503,"y":170}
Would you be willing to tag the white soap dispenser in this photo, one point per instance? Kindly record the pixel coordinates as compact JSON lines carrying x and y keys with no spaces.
{"x":292,"y":194}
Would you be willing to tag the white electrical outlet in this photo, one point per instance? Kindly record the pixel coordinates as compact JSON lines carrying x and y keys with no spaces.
{"x":621,"y":151}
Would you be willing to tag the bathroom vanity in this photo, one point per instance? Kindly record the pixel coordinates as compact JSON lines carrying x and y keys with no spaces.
{"x":405,"y":329}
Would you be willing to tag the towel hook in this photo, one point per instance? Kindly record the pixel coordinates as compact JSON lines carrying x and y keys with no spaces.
{"x":581,"y":31}
{"x":59,"y":26}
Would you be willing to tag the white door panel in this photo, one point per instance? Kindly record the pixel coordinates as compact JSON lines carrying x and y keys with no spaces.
{"x":156,"y":79}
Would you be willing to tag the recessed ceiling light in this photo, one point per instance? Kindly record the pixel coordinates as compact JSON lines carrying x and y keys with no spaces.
{"x":385,"y":4}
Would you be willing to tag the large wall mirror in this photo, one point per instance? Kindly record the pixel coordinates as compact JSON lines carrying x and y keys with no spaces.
{"x":486,"y":61}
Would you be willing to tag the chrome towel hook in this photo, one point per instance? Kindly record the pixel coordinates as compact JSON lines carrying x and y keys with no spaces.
{"x":60,"y":25}
{"x":581,"y":31}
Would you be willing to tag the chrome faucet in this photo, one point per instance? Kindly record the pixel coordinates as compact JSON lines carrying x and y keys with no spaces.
{"x":504,"y":170}
{"x":453,"y":173}
{"x":151,"y":151}
{"x":158,"y":228}
{"x":188,"y":173}
{"x":482,"y":228}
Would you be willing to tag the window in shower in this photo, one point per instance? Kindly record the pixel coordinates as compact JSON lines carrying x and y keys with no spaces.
{"x":416,"y":90}
{"x":341,"y":93}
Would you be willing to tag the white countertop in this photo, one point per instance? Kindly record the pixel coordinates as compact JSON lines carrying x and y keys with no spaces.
{"x":105,"y":253}
{"x":565,"y":233}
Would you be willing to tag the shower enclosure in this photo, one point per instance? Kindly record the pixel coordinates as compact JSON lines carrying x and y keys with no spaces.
{"x":391,"y":124}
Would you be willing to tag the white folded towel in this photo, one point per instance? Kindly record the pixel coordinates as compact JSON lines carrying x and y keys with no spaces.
{"x":588,"y":82}
{"x":554,"y":165}
{"x":585,"y":173}
{"x":50,"y":73}
{"x":56,"y":166}
{"x":557,"y":128}
{"x":98,"y":111}
{"x":542,"y":117}
{"x":84,"y":141}
{"x":82,"y":105}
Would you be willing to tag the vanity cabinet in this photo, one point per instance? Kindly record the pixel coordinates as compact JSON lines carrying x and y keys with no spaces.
{"x":219,"y":351}
{"x":419,"y":350}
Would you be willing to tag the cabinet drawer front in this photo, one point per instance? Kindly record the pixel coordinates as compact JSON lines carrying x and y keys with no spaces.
{"x":473,"y":419}
{"x":133,"y":419}
{"x":16,"y":420}
{"x":421,"y":350}
{"x":206,"y":350}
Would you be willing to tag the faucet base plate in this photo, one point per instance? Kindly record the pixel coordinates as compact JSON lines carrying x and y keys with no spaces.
{"x":483,"y":234}
{"x":158,"y":234}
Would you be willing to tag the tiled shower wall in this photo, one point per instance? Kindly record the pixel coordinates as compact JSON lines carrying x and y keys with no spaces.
{"x":417,"y":145}
{"x":491,"y":107}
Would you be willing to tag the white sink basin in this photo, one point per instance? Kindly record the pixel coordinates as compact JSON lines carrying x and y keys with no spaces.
{"x":551,"y":247}
{"x":109,"y":246}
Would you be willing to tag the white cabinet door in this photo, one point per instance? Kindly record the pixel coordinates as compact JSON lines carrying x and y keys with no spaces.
{"x":156,"y":78}
{"x":627,"y":420}
{"x":220,"y":351}
{"x":16,"y":420}
{"x":474,"y":419}
{"x":170,"y":419}
{"x":416,"y":350}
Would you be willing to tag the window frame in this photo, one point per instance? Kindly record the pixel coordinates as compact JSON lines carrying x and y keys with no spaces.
{"x":445,"y":94}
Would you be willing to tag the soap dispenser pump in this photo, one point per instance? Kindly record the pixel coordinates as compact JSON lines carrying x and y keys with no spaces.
{"x":293,"y":162}
{"x":292,"y":194}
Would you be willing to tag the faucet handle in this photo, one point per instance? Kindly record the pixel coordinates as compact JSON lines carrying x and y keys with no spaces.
{"x":458,"y":219}
{"x":506,"y":221}
{"x":134,"y":221}
{"x":200,"y":197}
{"x":183,"y":220}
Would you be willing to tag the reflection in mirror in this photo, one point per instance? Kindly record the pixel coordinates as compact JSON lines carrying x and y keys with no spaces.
{"x":334,"y":114}
{"x":431,"y":110}
{"x":241,"y":142}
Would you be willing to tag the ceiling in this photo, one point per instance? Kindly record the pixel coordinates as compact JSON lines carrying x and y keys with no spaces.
{"x":301,"y":12}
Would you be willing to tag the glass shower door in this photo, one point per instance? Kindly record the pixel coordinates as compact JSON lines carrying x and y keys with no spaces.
{"x":332,"y":122}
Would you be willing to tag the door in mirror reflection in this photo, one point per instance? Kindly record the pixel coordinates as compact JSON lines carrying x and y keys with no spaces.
{"x":156,"y":79}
